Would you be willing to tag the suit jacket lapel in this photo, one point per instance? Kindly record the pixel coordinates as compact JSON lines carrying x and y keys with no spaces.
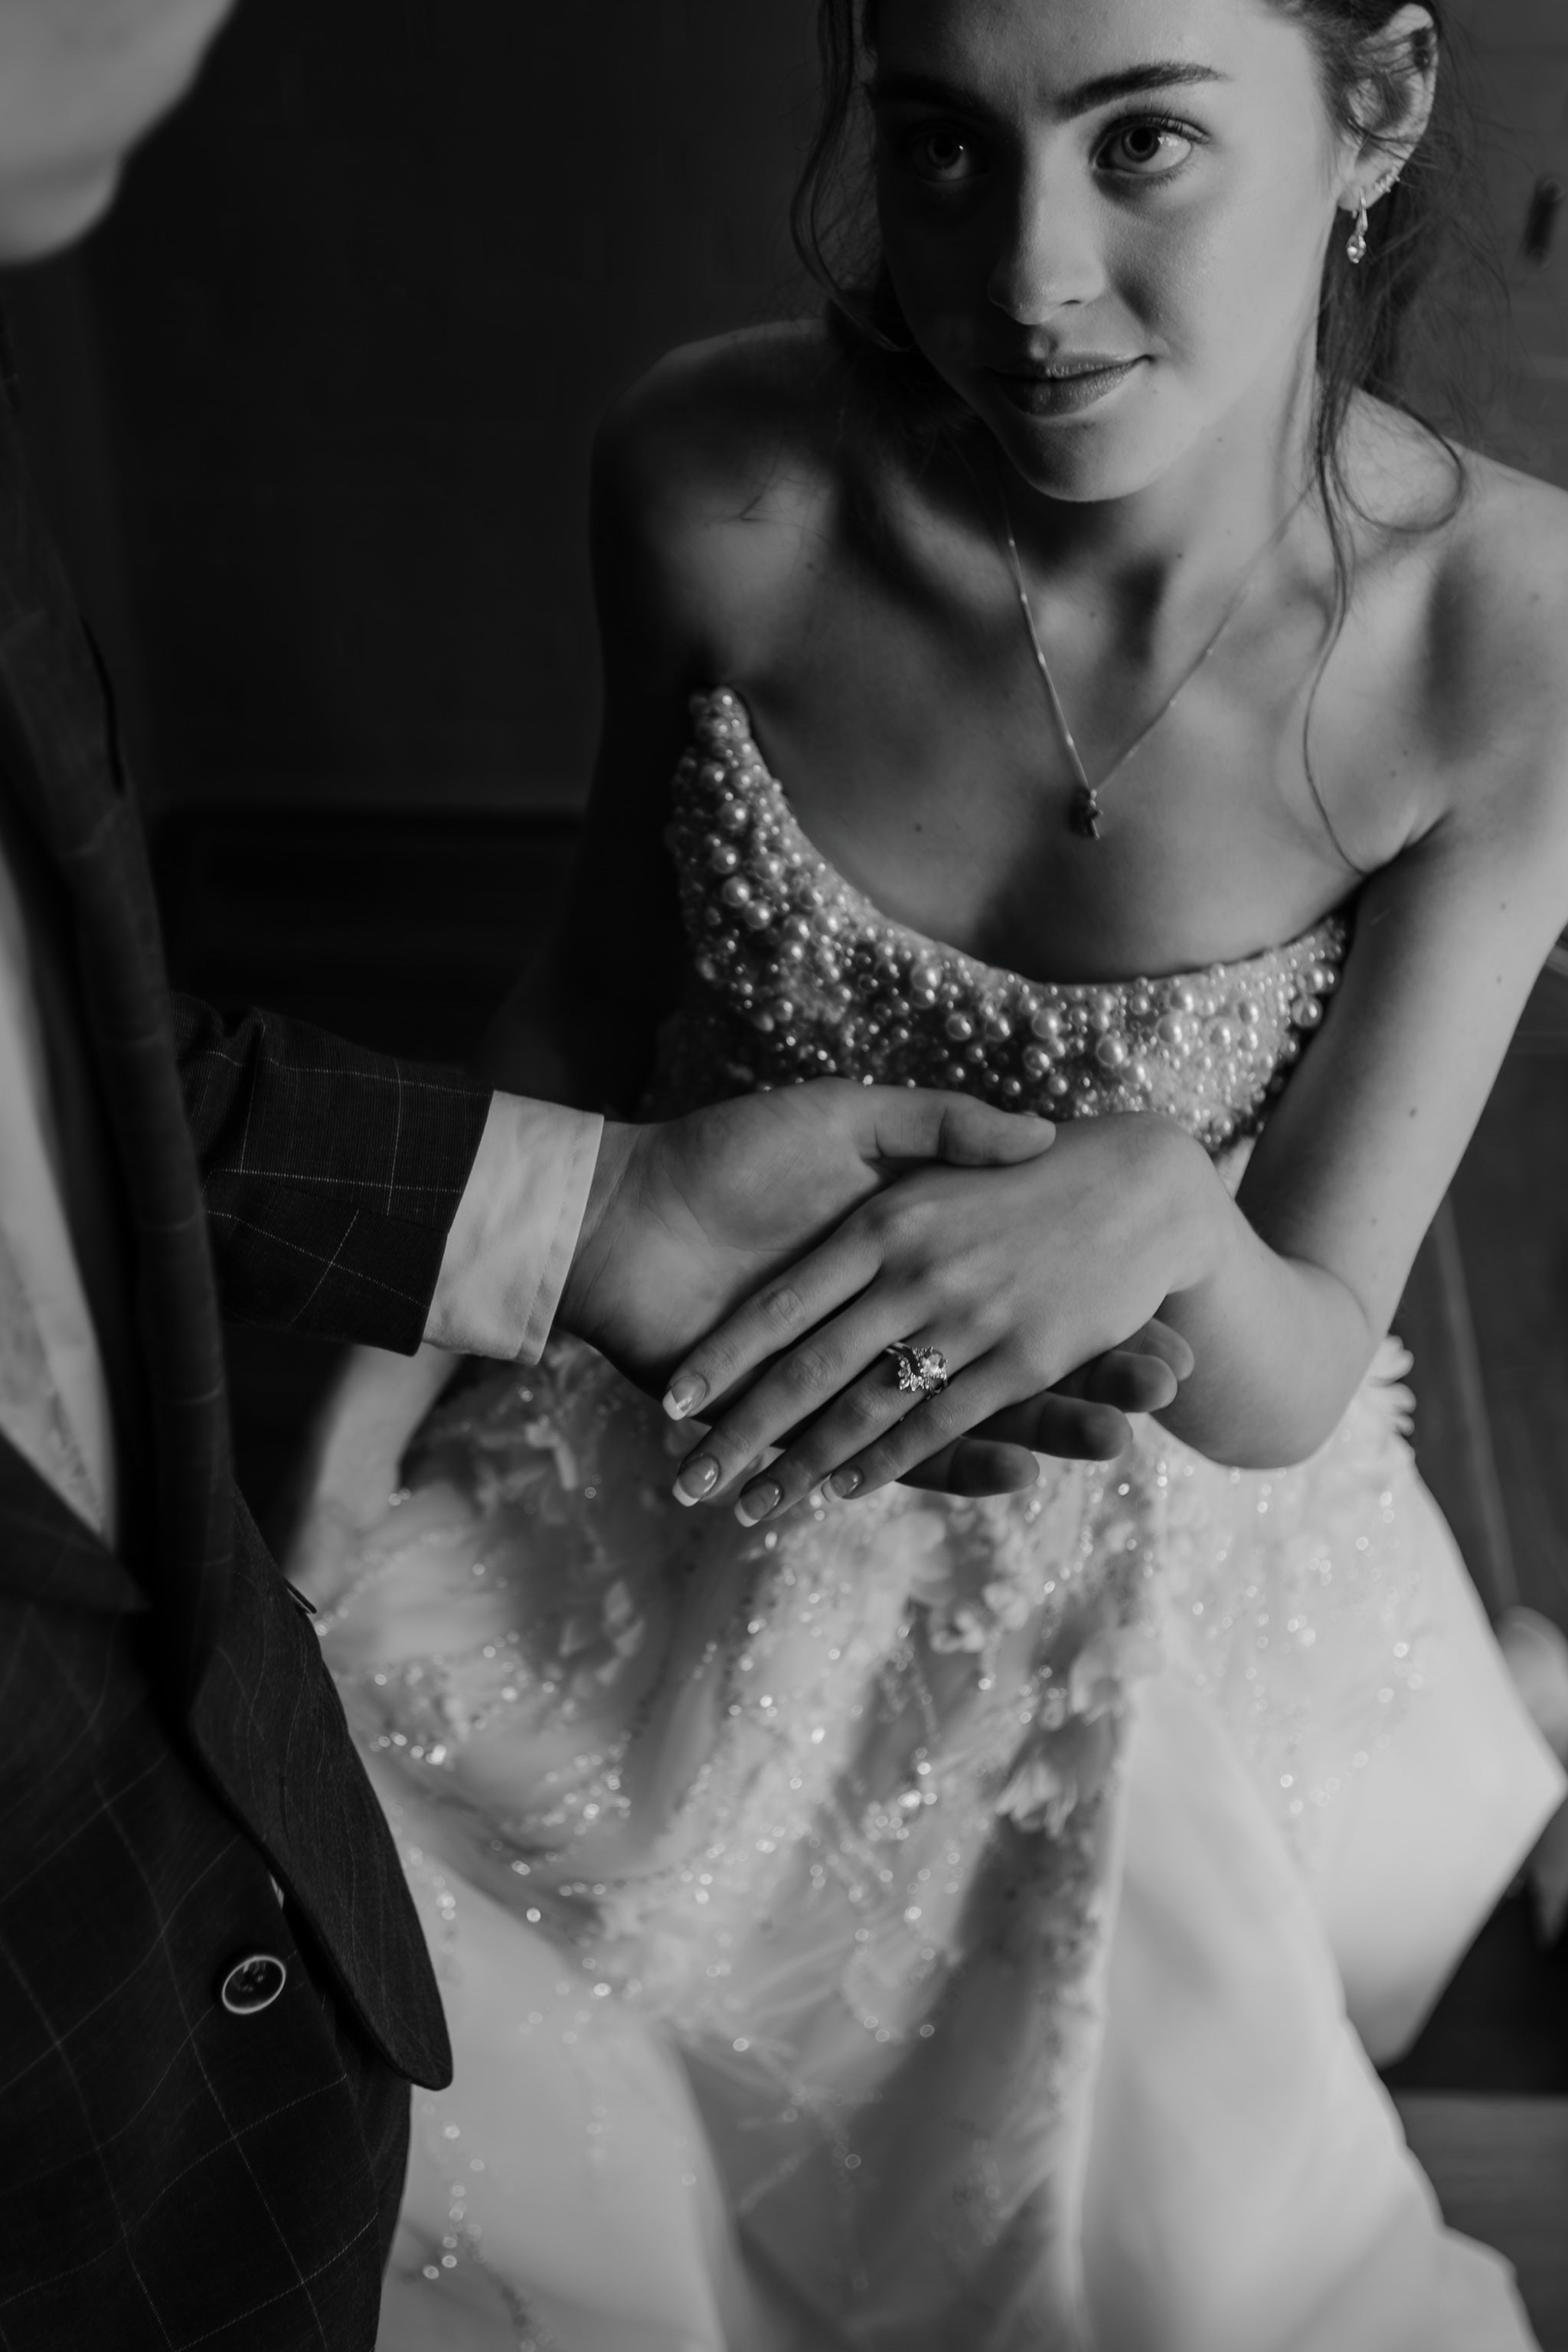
{"x":47,"y":1555}
{"x":60,"y":760}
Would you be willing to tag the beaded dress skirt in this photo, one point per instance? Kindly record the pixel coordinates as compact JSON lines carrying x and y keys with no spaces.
{"x":927,"y":1926}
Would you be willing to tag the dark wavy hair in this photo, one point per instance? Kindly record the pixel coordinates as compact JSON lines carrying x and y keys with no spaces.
{"x":1379,"y":330}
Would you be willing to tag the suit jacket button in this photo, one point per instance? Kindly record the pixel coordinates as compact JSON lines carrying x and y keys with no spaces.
{"x":253,"y":1984}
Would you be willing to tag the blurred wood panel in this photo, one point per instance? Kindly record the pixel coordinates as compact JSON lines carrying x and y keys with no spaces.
{"x":1511,"y":1216}
{"x":1516,"y":52}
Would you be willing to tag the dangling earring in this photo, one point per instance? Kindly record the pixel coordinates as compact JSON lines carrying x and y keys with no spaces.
{"x":1356,"y":245}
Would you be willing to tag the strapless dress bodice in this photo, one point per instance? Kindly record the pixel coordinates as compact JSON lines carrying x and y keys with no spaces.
{"x":795,"y":974}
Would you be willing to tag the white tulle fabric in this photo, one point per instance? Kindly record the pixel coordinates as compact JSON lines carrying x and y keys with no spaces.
{"x":928,"y":1926}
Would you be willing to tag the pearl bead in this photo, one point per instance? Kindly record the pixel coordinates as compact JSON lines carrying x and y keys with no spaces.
{"x":814,"y":982}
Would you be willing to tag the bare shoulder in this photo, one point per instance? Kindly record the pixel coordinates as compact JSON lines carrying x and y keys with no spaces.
{"x":1499,"y":640}
{"x":1475,"y":563}
{"x":1506,"y":552}
{"x":732,"y":418}
{"x":715,"y":472}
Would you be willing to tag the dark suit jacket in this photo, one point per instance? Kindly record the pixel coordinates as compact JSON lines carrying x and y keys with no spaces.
{"x":172,"y":1750}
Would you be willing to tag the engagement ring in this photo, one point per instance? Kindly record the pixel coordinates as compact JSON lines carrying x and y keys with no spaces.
{"x":922,"y":1371}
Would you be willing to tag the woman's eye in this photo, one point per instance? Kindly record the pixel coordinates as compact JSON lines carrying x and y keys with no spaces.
{"x":1146,"y":149}
{"x":943,"y":155}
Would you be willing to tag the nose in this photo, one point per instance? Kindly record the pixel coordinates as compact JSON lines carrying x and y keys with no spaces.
{"x":1049,"y":255}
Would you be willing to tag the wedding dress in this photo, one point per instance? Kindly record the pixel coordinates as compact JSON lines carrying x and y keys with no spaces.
{"x":930,"y":1926}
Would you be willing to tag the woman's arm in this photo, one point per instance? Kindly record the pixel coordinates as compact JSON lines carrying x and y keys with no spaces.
{"x":1282,"y":1294}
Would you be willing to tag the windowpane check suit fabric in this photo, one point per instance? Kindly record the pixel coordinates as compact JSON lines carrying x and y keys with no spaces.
{"x":172,"y":1750}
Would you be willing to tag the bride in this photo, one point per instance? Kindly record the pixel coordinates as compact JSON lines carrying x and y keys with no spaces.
{"x":871,"y":1918}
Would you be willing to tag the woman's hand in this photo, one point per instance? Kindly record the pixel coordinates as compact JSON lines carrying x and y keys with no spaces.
{"x":1017,"y":1274}
{"x":687,"y":1217}
{"x":1083,"y":1419}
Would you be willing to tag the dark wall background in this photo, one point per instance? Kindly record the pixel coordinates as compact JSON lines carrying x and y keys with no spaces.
{"x":315,"y":406}
{"x":316,"y":403}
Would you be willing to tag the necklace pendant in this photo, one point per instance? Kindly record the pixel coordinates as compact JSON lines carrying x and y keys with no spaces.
{"x":1086,"y":812}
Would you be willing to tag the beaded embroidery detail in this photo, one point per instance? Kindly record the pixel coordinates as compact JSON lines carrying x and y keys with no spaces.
{"x":811,"y":1801}
{"x":799,"y":976}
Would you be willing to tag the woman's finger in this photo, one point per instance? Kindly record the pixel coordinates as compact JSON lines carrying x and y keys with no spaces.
{"x":772,"y":1319}
{"x":912,"y":1431}
{"x":819,"y":1375}
{"x":860,"y":1413}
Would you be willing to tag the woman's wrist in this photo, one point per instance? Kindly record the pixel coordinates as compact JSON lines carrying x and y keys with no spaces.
{"x":1196,"y":1216}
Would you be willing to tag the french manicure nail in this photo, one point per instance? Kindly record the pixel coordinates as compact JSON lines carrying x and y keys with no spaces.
{"x":758,"y":1501}
{"x":684,"y":1396}
{"x":845,"y":1483}
{"x":698,"y":1477}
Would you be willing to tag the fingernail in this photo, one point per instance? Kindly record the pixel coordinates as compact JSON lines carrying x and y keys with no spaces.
{"x":845,"y":1483}
{"x":698,"y":1477}
{"x":684,"y":1395}
{"x":758,"y":1501}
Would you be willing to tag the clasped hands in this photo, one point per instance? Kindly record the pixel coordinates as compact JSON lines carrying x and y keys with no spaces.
{"x":760,"y":1257}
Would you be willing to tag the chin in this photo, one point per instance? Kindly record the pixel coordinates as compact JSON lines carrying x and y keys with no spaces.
{"x":1081,"y":463}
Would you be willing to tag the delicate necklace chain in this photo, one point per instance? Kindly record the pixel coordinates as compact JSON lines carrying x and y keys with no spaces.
{"x":1086,"y":808}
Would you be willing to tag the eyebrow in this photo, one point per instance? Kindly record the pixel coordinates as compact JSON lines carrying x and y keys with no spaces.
{"x":1160,"y":73}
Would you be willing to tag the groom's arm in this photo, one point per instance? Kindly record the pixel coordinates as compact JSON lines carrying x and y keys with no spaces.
{"x":359,"y":1197}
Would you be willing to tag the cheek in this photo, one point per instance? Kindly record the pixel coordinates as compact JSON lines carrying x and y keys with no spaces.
{"x":1223,"y":289}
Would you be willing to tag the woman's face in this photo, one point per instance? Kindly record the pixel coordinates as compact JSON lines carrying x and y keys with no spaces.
{"x":1105,"y":220}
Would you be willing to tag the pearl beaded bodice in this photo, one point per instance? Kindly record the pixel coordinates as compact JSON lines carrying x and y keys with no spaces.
{"x":795,"y":974}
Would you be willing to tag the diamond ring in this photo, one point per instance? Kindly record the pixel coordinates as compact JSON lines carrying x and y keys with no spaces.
{"x":922,"y":1371}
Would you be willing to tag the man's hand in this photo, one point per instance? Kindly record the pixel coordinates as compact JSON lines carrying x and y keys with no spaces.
{"x":687,"y":1217}
{"x":1024,"y":1277}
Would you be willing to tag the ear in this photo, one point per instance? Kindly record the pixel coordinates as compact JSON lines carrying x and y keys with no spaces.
{"x":1393,"y":102}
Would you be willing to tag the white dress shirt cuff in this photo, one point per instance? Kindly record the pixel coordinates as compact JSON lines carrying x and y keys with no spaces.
{"x":512,"y":1242}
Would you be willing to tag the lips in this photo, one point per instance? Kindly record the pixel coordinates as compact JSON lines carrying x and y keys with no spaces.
{"x":1061,"y":386}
